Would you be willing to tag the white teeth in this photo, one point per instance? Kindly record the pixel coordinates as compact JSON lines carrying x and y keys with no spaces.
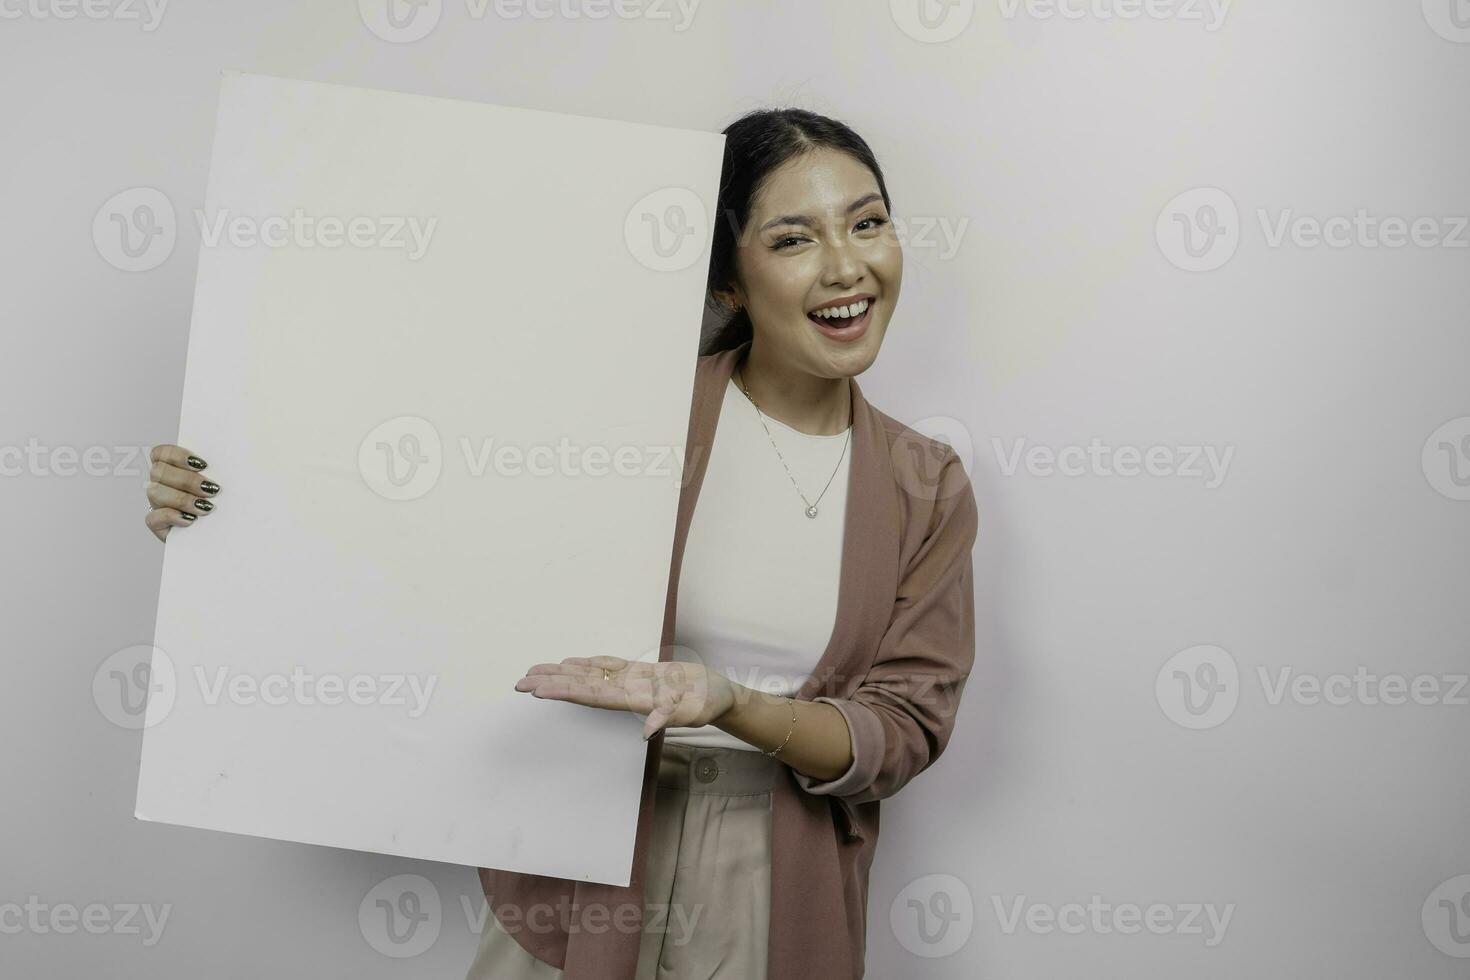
{"x":856,"y":309}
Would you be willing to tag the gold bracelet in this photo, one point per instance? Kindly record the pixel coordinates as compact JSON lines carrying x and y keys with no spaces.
{"x":778,"y":748}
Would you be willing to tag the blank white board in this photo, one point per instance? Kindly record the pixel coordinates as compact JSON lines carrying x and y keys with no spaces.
{"x":337,"y":643}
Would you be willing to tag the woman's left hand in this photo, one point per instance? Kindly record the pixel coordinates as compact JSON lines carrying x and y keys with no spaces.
{"x":676,"y":693}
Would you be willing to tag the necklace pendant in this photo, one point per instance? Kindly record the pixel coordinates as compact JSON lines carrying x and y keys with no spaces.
{"x":811,"y":511}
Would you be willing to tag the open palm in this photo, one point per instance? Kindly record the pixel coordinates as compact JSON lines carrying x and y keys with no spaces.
{"x":674,"y":693}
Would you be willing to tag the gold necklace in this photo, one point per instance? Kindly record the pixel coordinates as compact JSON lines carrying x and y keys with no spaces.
{"x":811,"y":505}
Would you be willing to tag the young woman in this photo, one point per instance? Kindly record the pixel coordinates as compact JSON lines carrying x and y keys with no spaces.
{"x":828,"y":569}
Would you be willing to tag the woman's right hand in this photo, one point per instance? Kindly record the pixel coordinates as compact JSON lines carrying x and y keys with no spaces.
{"x":177,"y":492}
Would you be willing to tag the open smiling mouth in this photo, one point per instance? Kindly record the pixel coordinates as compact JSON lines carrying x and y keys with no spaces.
{"x":846,"y":328}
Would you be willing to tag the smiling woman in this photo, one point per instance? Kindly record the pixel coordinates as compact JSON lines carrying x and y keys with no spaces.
{"x":827,"y":567}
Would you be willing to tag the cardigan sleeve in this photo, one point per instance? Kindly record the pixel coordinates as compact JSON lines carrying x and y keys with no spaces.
{"x":902,"y":715}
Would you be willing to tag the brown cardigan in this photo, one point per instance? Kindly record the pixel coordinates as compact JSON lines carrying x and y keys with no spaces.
{"x":900,"y":652}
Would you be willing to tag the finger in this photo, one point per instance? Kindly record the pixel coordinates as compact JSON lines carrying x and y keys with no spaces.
{"x":162,"y":496}
{"x":176,"y":456}
{"x":160,"y":519}
{"x":182,"y":479}
{"x":611,"y":663}
{"x":585,"y":668}
{"x":667,"y":702}
{"x":596,"y":695}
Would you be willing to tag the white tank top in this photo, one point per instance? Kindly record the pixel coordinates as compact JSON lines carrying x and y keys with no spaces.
{"x":758,"y":586}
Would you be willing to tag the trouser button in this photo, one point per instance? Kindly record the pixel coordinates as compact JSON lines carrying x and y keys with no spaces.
{"x":706,"y":770}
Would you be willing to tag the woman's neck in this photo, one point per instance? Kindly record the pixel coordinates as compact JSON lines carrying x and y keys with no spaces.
{"x":807,"y":403}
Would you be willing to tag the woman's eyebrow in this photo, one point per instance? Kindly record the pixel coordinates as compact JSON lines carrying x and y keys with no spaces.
{"x":801,"y":219}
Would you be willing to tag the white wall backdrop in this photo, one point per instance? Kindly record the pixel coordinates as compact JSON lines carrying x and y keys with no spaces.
{"x":1186,"y":280}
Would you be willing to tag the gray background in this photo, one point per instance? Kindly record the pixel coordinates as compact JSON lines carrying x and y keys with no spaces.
{"x":1055,"y":146}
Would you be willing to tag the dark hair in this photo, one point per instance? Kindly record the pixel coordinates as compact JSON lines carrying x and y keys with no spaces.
{"x":755,"y":145}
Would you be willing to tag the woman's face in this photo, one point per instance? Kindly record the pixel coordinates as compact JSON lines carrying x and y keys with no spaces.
{"x":818,"y":232}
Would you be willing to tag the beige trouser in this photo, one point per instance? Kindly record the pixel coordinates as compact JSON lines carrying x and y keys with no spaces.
{"x":707,"y":887}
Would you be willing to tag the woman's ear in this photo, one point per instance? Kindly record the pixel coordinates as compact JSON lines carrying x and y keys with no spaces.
{"x":729,"y":297}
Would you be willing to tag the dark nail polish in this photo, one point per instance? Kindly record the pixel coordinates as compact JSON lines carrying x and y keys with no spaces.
{"x":203,"y":505}
{"x":209,"y":487}
{"x":196,"y":463}
{"x":190,"y":517}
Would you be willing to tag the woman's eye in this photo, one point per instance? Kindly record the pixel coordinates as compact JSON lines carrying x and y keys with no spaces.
{"x":784,"y":242}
